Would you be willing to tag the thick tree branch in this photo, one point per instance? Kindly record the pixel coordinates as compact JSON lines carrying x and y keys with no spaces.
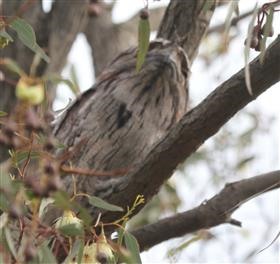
{"x":214,"y":212}
{"x":198,"y":125}
{"x":66,"y":21}
{"x":186,"y":23}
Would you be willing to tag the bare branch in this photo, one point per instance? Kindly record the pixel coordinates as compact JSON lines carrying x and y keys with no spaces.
{"x":214,"y":212}
{"x":66,"y":20}
{"x":234,"y":22}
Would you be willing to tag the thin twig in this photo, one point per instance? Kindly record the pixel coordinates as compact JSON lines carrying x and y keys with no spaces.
{"x":90,"y":172}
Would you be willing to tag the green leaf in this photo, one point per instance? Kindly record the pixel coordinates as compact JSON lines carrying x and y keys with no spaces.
{"x":132,"y":246}
{"x":4,"y":203}
{"x":56,"y":79}
{"x":3,"y":220}
{"x":267,"y":28}
{"x":12,"y":66}
{"x":74,"y":78}
{"x":143,"y":42}
{"x":78,"y":244}
{"x":2,"y":113}
{"x":45,"y":254}
{"x":20,"y":156}
{"x":71,"y":230}
{"x":62,"y":200}
{"x":37,"y":49}
{"x":121,"y":232}
{"x":10,"y":241}
{"x":247,"y":51}
{"x":233,"y":8}
{"x":97,"y":202}
{"x":208,"y":5}
{"x":84,"y":215}
{"x":5,"y":35}
{"x":27,"y":36}
{"x":80,"y":254}
{"x":183,"y":246}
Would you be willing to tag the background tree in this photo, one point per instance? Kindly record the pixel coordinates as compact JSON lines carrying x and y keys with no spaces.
{"x":184,"y":22}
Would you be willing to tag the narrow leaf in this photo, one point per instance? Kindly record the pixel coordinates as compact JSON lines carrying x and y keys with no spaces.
{"x":97,"y":202}
{"x":27,"y":36}
{"x":132,"y":246}
{"x":56,"y":79}
{"x":74,"y":251}
{"x":2,"y":113}
{"x":10,"y":241}
{"x":12,"y":66}
{"x":232,"y":9}
{"x":62,"y":200}
{"x":208,"y":5}
{"x":247,"y":51}
{"x":80,"y":254}
{"x":3,"y":220}
{"x":46,"y":256}
{"x":183,"y":246}
{"x":74,"y":78}
{"x":71,"y":230}
{"x":267,"y":29}
{"x":37,"y":49}
{"x":143,"y":42}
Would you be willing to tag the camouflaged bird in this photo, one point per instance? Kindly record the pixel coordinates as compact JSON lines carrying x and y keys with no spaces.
{"x":116,"y":123}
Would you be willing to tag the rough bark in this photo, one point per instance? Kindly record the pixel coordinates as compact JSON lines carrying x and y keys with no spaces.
{"x":185,"y":22}
{"x":216,"y":211}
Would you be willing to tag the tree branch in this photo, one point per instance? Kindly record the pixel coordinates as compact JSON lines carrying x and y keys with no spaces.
{"x":66,"y":21}
{"x":178,"y":24}
{"x":214,"y":212}
{"x":196,"y":126}
{"x":234,"y":22}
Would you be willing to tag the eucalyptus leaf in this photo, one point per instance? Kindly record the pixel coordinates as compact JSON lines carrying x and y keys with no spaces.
{"x":56,"y":79}
{"x":12,"y":66}
{"x":143,"y":42}
{"x":74,"y":251}
{"x":2,"y":113}
{"x":71,"y":230}
{"x":10,"y":241}
{"x":97,"y":202}
{"x":267,"y":28}
{"x":132,"y":246}
{"x":247,"y":51}
{"x":62,"y":200}
{"x":45,"y":254}
{"x":207,"y":5}
{"x":27,"y":36}
{"x":183,"y":246}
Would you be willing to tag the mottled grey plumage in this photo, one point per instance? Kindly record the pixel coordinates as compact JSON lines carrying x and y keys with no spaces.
{"x":125,"y":114}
